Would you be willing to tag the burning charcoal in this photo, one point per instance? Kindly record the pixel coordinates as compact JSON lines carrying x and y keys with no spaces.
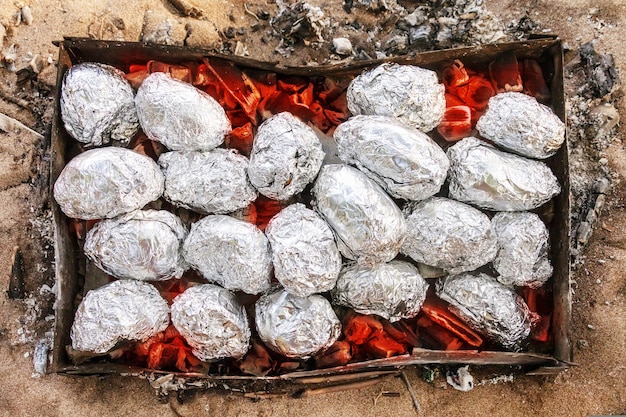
{"x":456,"y":123}
{"x":306,"y":258}
{"x":519,"y":123}
{"x":402,"y":160}
{"x":504,"y":73}
{"x":534,"y":83}
{"x":476,"y":93}
{"x":368,"y":224}
{"x":480,"y":174}
{"x":212,"y":321}
{"x":454,"y":76}
{"x":522,"y":249}
{"x":409,"y":93}
{"x":179,"y":115}
{"x":448,"y":234}
{"x":488,"y":306}
{"x":143,"y":245}
{"x":103,"y":183}
{"x":393,"y":290}
{"x":230,"y":252}
{"x":296,"y":327}
{"x":207,"y":182}
{"x":98,"y":105}
{"x":121,"y":310}
{"x":286,"y":156}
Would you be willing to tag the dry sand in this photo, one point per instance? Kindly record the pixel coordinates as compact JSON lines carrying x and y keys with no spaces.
{"x":597,"y":386}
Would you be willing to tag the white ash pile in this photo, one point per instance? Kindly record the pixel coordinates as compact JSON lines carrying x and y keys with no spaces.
{"x":593,"y":89}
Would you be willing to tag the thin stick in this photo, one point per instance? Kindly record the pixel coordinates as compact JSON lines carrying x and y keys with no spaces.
{"x":309,"y":392}
{"x":416,"y":403}
{"x":9,"y":124}
{"x":245,"y":6}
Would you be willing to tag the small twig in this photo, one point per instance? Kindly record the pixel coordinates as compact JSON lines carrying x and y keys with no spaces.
{"x":9,"y":124}
{"x":16,"y":280}
{"x":416,"y":403}
{"x":15,"y":100}
{"x":186,"y":8}
{"x":245,"y":6}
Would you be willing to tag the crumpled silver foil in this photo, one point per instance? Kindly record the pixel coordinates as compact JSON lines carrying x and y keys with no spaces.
{"x":393,"y":290}
{"x":212,"y":321}
{"x":367,"y":223}
{"x":304,"y":252}
{"x":106,"y":182}
{"x":481,"y":175}
{"x":402,"y":160}
{"x":296,"y":327}
{"x":520,"y":123}
{"x":488,"y":306}
{"x":230,"y":252}
{"x":180,"y":116}
{"x":286,"y":156}
{"x":449,"y":234}
{"x":98,"y":105}
{"x":207,"y":182}
{"x":143,"y":244}
{"x":121,"y":310}
{"x":409,"y":93}
{"x":523,"y":247}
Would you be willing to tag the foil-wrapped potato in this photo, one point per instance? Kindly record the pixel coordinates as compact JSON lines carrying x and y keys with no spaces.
{"x":286,"y":156}
{"x":106,"y":182}
{"x":448,"y":234}
{"x":409,"y":93}
{"x":488,"y":306}
{"x":296,"y":327}
{"x":523,"y":247}
{"x":369,"y":226}
{"x":97,"y":105}
{"x":304,"y":252}
{"x":402,"y":160}
{"x":143,"y":244}
{"x":230,"y":252}
{"x":180,"y":116}
{"x":486,"y":177}
{"x":212,"y":321}
{"x":119,"y":311}
{"x":207,"y":182}
{"x":393,"y":290}
{"x":521,"y":124}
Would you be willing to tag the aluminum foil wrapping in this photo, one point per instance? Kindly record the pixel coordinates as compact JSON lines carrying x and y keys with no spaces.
{"x":488,"y":306}
{"x":230,"y":252}
{"x":367,"y":223}
{"x":523,"y":247}
{"x":121,"y":310}
{"x":207,"y":182}
{"x":212,"y":321}
{"x":393,"y":290}
{"x":411,"y":94}
{"x":449,"y":234}
{"x":180,"y":116}
{"x":143,"y":244}
{"x":481,"y":175}
{"x":98,"y":105}
{"x":286,"y":156}
{"x":402,"y":160}
{"x":520,"y":123}
{"x":304,"y":252}
{"x":106,"y":182}
{"x":296,"y":327}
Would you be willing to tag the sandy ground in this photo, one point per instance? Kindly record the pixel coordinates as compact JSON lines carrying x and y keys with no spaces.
{"x":597,"y":386}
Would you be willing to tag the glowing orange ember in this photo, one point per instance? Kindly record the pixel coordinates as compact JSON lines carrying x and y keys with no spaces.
{"x":456,"y":123}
